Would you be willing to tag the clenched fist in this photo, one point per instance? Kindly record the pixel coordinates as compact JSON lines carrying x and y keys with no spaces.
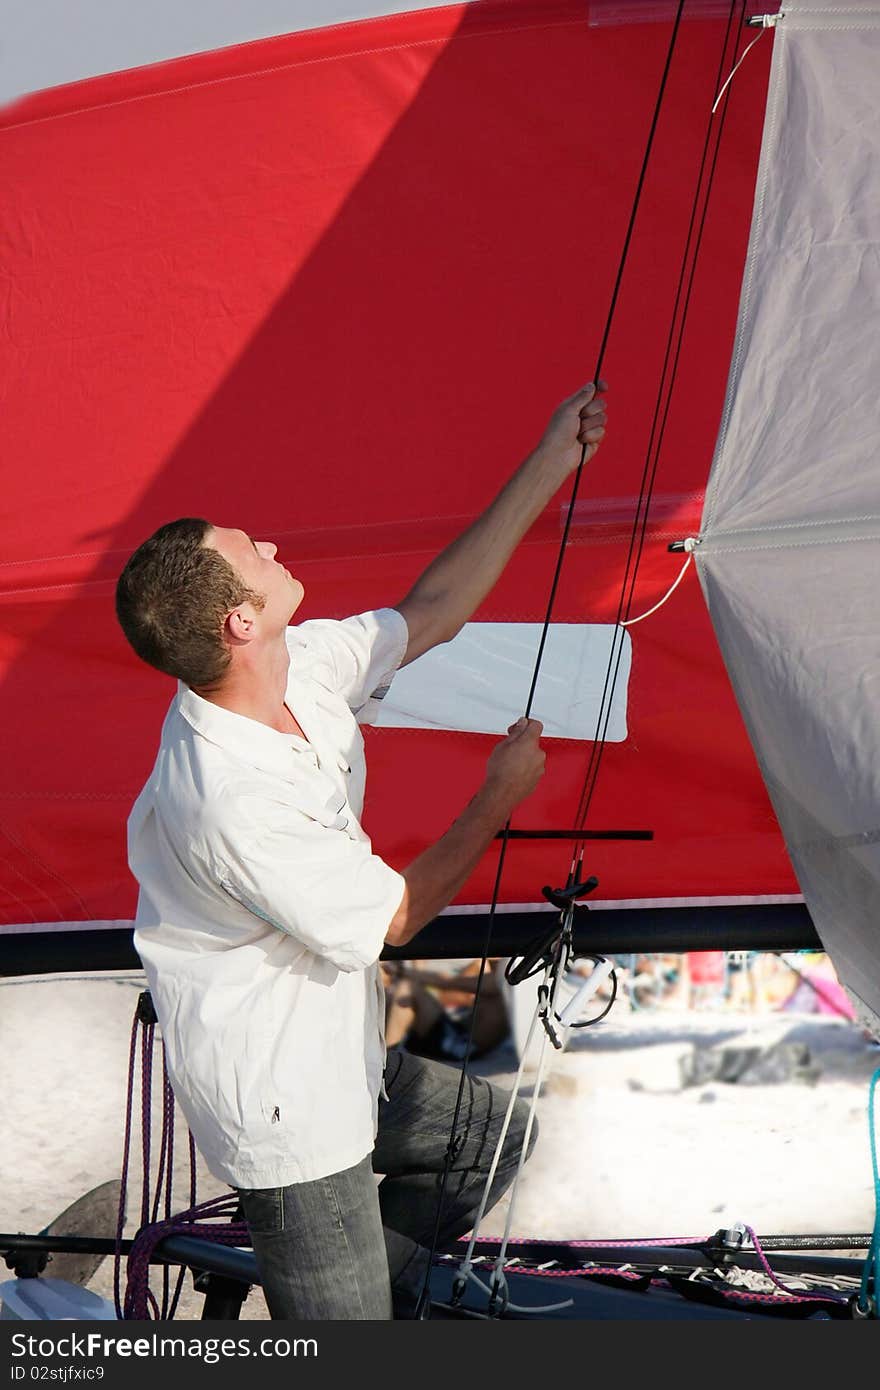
{"x":577,"y":424}
{"x":516,"y":765}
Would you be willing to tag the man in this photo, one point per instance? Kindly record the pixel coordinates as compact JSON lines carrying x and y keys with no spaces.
{"x":263,"y":911}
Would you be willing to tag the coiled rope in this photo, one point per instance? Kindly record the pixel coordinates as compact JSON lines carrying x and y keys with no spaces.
{"x":139,"y":1301}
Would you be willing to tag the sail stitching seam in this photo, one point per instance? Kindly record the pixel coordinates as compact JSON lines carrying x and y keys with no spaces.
{"x":408,"y":521}
{"x":746,"y":301}
{"x":29,"y":882}
{"x":40,"y":864}
{"x":787,"y":544}
{"x":282,"y":67}
{"x":4,"y":887}
{"x":803,"y":25}
{"x":798,"y":525}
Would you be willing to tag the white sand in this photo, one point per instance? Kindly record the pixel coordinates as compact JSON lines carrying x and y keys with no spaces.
{"x":624,"y":1150}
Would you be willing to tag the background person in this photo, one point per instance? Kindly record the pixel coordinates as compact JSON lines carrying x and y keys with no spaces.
{"x":430,"y":1011}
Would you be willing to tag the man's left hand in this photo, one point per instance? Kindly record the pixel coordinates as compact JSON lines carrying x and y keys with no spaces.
{"x":576,"y":426}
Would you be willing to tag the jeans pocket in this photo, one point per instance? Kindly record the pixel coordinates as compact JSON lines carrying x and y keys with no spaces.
{"x":263,"y":1209}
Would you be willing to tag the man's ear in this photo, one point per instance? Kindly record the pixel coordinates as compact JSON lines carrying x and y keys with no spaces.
{"x":239,"y":627}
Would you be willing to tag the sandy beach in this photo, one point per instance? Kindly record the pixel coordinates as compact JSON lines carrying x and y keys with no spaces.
{"x":626,"y":1149}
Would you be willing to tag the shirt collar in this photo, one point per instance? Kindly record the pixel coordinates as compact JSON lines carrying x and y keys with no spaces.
{"x":247,"y":739}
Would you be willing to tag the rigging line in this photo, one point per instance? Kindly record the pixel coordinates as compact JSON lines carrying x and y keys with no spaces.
{"x":616,"y":651}
{"x":615,"y":294}
{"x":631,"y":622}
{"x":423,"y":1300}
{"x":589,"y":788}
{"x":556,"y":970}
{"x":658,"y":427}
{"x":496,"y":1157}
{"x":545,"y":1007}
{"x":735,"y":69}
{"x":601,"y":730}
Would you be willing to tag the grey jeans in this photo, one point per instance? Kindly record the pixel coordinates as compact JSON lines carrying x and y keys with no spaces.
{"x":342,"y":1247}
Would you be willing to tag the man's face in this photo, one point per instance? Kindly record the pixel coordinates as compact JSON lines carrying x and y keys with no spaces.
{"x":255,"y":562}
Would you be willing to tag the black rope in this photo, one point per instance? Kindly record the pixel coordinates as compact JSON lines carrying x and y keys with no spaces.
{"x":452,"y":1146}
{"x":423,"y":1303}
{"x":658,"y":428}
{"x":603,"y":345}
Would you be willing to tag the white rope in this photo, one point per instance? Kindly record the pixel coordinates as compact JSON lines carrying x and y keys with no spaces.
{"x":738,"y":65}
{"x":518,"y":1307}
{"x":499,"y":1280}
{"x":574,"y":1008}
{"x":629,"y":622}
{"x":539,"y":1081}
{"x":466,"y":1263}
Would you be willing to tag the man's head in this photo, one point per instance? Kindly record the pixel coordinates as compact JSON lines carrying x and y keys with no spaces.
{"x":194,"y":593}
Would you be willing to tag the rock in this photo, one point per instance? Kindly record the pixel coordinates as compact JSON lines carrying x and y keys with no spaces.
{"x":749,"y":1066}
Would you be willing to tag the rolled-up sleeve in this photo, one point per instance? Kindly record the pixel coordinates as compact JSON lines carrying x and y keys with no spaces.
{"x":361,"y":655}
{"x":316,"y":884}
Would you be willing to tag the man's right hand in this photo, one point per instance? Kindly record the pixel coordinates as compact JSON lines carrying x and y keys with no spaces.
{"x":432,"y":880}
{"x":516,"y":765}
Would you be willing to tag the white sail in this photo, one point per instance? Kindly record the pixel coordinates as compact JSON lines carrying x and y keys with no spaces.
{"x":789,"y":557}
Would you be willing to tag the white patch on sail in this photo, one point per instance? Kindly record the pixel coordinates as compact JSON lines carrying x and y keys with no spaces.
{"x":790,"y":552}
{"x":479,"y":682}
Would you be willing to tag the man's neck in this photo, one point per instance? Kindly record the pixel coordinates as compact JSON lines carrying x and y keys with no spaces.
{"x":255,"y":686}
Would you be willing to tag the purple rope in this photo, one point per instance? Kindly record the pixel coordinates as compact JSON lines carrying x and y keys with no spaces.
{"x":729,"y":1294}
{"x":169,"y":1301}
{"x":748,"y":1296}
{"x":139,"y":1299}
{"x":161,"y":1175}
{"x":192,"y":1202}
{"x":168,"y":1121}
{"x":802,"y":1298}
{"x":164,"y":1181}
{"x":192,"y":1170}
{"x":126,"y":1153}
{"x":137,"y":1295}
{"x":147,"y":1111}
{"x":589,"y":1270}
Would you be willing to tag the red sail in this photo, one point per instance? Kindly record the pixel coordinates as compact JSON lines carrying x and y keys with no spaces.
{"x":327,"y":287}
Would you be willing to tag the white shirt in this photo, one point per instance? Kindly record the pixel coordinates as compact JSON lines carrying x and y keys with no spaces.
{"x":262,"y":913}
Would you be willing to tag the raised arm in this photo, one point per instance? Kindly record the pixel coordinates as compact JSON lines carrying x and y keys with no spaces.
{"x":455,"y":584}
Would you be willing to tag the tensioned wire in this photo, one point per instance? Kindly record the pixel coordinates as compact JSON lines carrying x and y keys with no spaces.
{"x":452,"y":1146}
{"x":657,"y":434}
